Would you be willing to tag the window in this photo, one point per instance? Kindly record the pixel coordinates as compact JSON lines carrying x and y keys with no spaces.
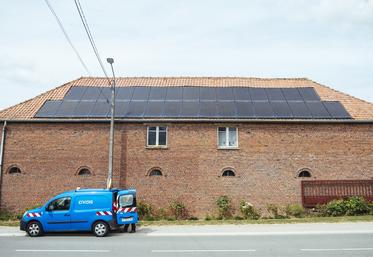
{"x":228,"y":173}
{"x":157,"y":136}
{"x":227,"y":137}
{"x":60,"y":204}
{"x":84,"y":172}
{"x":125,"y":200}
{"x":155,"y":172}
{"x":14,"y":170}
{"x":304,"y":174}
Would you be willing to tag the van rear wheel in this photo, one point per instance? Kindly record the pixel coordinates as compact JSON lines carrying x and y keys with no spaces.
{"x":34,"y":229}
{"x":100,"y":229}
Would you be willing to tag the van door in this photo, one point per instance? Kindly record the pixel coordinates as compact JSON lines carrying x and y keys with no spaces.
{"x":57,"y":216}
{"x":127,"y":211}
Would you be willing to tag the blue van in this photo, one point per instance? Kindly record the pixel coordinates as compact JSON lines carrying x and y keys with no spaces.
{"x":96,"y":210}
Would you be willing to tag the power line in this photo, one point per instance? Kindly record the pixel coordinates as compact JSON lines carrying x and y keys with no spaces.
{"x":67,"y":37}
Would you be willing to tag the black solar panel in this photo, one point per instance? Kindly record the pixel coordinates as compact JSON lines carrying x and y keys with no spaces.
{"x":292,"y":94}
{"x":299,"y":110}
{"x":207,"y":93}
{"x":318,"y":110}
{"x":75,"y":93}
{"x":336,"y":110}
{"x":48,"y":109}
{"x":207,"y":109}
{"x":194,"y":102}
{"x":245,"y":109}
{"x":141,"y":93}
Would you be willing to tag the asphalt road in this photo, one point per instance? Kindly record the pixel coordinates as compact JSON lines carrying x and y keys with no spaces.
{"x":317,"y":243}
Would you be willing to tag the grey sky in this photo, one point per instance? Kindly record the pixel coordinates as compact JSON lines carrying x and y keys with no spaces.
{"x":330,"y":42}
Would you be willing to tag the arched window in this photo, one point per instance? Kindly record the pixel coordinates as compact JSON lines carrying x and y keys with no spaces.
{"x":304,"y":174}
{"x":228,"y":173}
{"x":14,"y":170}
{"x":84,"y":172}
{"x":155,"y":172}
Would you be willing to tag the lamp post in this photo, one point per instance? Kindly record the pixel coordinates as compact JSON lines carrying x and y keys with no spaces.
{"x":111,"y":138}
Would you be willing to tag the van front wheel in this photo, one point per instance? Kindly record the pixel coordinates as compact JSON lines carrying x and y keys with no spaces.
{"x":100,"y":229}
{"x":34,"y":229}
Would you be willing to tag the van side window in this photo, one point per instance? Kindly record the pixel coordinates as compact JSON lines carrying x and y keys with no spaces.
{"x":125,"y":200}
{"x":60,"y":204}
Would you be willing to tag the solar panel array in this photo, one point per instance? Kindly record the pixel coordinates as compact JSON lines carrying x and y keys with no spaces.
{"x":194,"y":102}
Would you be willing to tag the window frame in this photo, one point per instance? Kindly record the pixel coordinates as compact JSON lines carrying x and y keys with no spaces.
{"x":303,"y":171}
{"x":228,"y":176}
{"x":227,"y":146}
{"x":157,"y":145}
{"x":14,"y":173}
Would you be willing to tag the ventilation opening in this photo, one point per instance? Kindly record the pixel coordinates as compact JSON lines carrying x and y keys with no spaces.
{"x":304,"y":174}
{"x":155,"y":172}
{"x":84,"y":172}
{"x":228,"y":173}
{"x":14,"y":170}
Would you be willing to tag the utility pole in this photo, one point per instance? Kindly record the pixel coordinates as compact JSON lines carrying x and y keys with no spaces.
{"x":111,"y":137}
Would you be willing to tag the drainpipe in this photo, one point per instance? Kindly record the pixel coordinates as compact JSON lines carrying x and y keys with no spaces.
{"x":1,"y":156}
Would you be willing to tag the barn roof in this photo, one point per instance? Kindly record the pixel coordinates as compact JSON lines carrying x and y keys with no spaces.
{"x":31,"y":110}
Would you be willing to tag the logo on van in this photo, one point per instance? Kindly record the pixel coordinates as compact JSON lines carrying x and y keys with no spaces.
{"x":85,"y":202}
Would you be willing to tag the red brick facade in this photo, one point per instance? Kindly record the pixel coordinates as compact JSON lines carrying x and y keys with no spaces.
{"x":266,"y":162}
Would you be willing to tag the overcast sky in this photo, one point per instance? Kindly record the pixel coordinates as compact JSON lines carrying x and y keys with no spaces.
{"x":330,"y":42}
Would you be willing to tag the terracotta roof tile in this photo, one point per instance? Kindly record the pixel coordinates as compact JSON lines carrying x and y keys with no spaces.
{"x":359,"y":109}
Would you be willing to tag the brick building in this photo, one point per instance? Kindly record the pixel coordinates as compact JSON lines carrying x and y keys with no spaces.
{"x":186,"y":138}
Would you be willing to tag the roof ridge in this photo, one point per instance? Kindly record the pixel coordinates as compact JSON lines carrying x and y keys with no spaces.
{"x":198,"y":77}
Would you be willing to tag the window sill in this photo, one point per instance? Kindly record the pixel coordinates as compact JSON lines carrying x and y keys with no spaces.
{"x":228,"y":148}
{"x":159,"y":147}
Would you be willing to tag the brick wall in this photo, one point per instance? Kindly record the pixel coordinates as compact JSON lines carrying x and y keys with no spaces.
{"x":266,"y":163}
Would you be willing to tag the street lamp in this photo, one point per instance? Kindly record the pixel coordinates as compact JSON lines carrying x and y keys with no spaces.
{"x":111,"y":140}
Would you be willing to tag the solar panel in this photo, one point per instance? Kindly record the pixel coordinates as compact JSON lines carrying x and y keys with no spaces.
{"x":137,"y":108}
{"x":275,"y":94}
{"x":100,"y":110}
{"x":292,"y":94}
{"x":241,"y":94}
{"x":299,"y":110}
{"x":121,"y":109}
{"x":318,"y":110}
{"x":281,"y":110}
{"x":174,"y":93}
{"x":191,"y":93}
{"x":66,"y":109}
{"x":172,"y":108}
{"x":48,"y":109}
{"x":157,"y":93}
{"x":263,"y":110}
{"x":258,"y":94}
{"x":75,"y":93}
{"x":337,"y":110}
{"x":309,"y":94}
{"x":190,"y":109}
{"x":207,"y":93}
{"x":84,"y":108}
{"x":224,"y":93}
{"x":141,"y":93}
{"x":154,"y":109}
{"x":227,"y":109}
{"x":124,"y":93}
{"x":207,"y":109}
{"x":245,"y":109}
{"x":105,"y":94}
{"x":91,"y":93}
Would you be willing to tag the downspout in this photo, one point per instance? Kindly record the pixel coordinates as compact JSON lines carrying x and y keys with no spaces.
{"x":1,"y":156}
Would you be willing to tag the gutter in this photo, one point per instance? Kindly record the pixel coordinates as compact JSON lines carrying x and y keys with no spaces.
{"x":201,"y":120}
{"x":3,"y":134}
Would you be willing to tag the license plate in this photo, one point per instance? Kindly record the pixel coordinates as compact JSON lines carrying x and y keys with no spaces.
{"x":127,"y":219}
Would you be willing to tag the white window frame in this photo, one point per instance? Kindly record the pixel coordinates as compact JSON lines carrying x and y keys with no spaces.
{"x":156,"y":137}
{"x":227,"y":146}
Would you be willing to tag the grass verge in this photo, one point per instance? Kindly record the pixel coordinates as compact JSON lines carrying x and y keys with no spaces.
{"x":366,"y":218}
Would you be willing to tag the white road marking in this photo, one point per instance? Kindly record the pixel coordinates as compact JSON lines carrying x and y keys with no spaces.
{"x":343,"y":232}
{"x":51,"y":250}
{"x":337,"y":249}
{"x":202,"y":250}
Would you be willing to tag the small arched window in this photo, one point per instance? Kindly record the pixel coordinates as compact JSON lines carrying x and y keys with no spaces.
{"x":304,"y":174}
{"x":84,"y":172}
{"x":14,"y":170}
{"x":155,"y":172}
{"x":228,"y":173}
